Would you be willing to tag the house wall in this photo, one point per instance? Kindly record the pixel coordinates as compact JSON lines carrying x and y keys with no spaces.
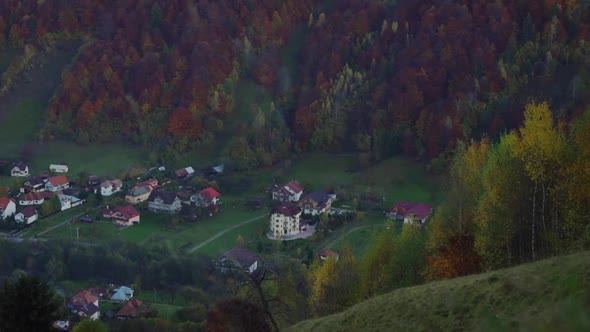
{"x":21,"y":218}
{"x":137,"y":199}
{"x":18,"y":172}
{"x":52,"y":188}
{"x":129,"y":222}
{"x":58,"y":168}
{"x":158,"y":206}
{"x":34,"y":202}
{"x":253,"y":267}
{"x":108,"y":191}
{"x":284,"y":225}
{"x":10,"y":210}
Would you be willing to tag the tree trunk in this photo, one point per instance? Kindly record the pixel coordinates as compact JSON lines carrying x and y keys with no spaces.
{"x":533,"y":223}
{"x":543,"y":214}
{"x":461,"y":214}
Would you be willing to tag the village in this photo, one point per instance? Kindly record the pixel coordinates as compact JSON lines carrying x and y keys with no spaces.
{"x":293,"y":214}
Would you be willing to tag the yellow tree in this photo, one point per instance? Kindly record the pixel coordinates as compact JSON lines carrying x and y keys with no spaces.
{"x":335,"y":284}
{"x":540,"y":146}
{"x":320,"y":278}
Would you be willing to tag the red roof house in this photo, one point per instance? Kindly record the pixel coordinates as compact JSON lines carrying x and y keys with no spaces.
{"x":123,"y":215}
{"x":133,"y":309}
{"x":410,"y":211}
{"x":57,"y":183}
{"x":327,"y":253}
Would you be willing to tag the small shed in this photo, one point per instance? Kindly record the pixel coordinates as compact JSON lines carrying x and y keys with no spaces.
{"x":59,"y":168}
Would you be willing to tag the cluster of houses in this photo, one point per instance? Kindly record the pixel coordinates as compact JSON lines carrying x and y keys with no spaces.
{"x":286,"y":219}
{"x":36,"y":190}
{"x":85,"y":304}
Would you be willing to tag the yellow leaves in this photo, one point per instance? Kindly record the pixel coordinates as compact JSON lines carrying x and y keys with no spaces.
{"x":321,"y":278}
{"x":539,"y":144}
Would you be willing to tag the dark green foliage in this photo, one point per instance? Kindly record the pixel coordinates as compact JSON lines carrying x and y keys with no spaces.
{"x":27,"y":304}
{"x":237,"y":315}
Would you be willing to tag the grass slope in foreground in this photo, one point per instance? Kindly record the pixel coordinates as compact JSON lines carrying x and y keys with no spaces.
{"x":550,"y":295}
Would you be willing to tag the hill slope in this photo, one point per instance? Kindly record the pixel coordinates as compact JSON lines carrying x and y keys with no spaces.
{"x":553,"y":294}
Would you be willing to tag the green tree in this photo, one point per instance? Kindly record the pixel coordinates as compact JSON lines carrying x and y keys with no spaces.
{"x":51,"y":206}
{"x":373,"y":266}
{"x":89,"y":325}
{"x":501,"y":207}
{"x":27,"y":304}
{"x":406,"y":265}
{"x":156,"y":15}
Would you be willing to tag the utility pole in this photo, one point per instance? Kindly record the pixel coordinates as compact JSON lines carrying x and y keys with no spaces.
{"x":78,"y":234}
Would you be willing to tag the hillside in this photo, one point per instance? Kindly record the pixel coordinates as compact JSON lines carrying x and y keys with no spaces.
{"x":537,"y":296}
{"x":375,"y":77}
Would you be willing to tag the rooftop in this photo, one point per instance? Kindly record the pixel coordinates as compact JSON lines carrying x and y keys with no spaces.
{"x":287,"y":209}
{"x":242,"y":256}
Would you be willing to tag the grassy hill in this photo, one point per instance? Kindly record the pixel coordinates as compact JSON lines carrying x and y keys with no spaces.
{"x":550,"y":295}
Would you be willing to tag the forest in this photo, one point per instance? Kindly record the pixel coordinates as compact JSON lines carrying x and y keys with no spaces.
{"x":374,"y":77}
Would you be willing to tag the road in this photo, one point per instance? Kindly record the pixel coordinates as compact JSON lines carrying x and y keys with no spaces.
{"x":214,"y":237}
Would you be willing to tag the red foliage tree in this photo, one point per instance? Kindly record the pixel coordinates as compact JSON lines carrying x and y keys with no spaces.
{"x":457,"y":258}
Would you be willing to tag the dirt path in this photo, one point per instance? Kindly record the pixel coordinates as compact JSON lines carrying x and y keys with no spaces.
{"x":214,"y":237}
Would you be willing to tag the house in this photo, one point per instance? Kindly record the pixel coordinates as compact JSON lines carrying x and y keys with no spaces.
{"x":93,"y":180}
{"x":84,"y":304}
{"x":241,"y":258}
{"x":316,"y":203}
{"x":7,"y":207}
{"x":35,"y":198}
{"x":36,"y":184}
{"x":327,"y":253}
{"x":206,"y":197}
{"x":284,"y":220}
{"x":185,"y":197}
{"x":291,"y":192}
{"x":28,"y":215}
{"x":19,"y":169}
{"x":133,"y":309}
{"x":164,"y":201}
{"x":123,"y":215}
{"x":58,"y":168}
{"x":122,"y":294}
{"x":410,"y":212}
{"x":184,"y":173}
{"x":141,"y":191}
{"x":57,"y":183}
{"x":109,"y":187}
{"x":61,"y":325}
{"x":218,"y":169}
{"x":69,"y":201}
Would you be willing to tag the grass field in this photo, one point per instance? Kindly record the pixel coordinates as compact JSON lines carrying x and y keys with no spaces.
{"x":155,"y":229}
{"x":21,"y":111}
{"x":97,"y":159}
{"x":18,"y":126}
{"x":550,"y":295}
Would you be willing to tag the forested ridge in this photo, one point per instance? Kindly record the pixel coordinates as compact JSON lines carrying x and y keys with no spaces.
{"x":377,"y":77}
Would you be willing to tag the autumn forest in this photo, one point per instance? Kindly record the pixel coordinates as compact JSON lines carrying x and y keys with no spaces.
{"x":374,"y":77}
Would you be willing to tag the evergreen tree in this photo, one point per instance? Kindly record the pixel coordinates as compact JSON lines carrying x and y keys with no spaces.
{"x":27,"y":304}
